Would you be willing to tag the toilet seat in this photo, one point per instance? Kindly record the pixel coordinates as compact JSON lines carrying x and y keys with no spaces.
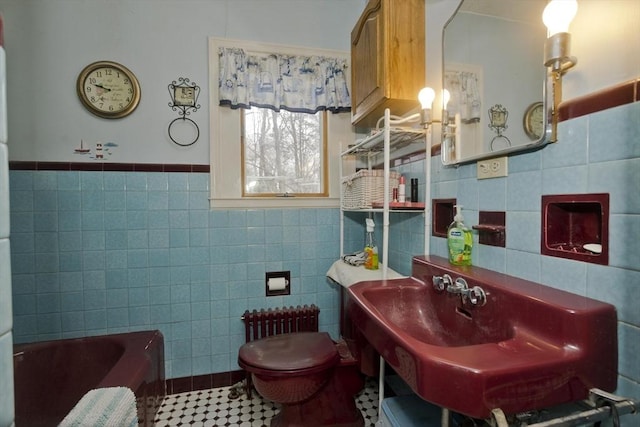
{"x":300,"y":353}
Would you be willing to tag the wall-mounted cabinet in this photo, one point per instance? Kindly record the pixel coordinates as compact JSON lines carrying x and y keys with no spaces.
{"x":387,"y":59}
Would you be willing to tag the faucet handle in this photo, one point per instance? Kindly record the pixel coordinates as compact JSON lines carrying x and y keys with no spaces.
{"x":476,"y":296}
{"x":460,"y":286}
{"x":440,"y":283}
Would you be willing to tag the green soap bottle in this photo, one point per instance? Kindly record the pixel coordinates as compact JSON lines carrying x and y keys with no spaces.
{"x":370,"y":248}
{"x":459,"y":240}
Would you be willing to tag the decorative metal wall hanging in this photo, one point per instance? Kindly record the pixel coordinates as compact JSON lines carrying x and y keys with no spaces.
{"x":184,"y":99}
{"x":498,"y":116}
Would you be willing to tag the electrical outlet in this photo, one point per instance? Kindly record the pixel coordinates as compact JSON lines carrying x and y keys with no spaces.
{"x":493,"y":168}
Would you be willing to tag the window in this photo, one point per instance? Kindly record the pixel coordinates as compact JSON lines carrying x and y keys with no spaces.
{"x":284,"y":153}
{"x":232,"y":161}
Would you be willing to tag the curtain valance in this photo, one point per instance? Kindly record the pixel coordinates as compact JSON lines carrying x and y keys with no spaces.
{"x":294,"y":83}
{"x":464,"y":88}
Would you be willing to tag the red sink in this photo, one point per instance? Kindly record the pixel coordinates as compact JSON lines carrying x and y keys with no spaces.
{"x":529,"y":347}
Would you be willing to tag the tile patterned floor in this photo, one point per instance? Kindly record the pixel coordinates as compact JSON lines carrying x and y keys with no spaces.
{"x":213,"y":407}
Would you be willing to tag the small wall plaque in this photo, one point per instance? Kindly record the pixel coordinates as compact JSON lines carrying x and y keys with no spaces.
{"x":184,"y":99}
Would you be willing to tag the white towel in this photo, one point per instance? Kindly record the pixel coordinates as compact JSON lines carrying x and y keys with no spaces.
{"x":104,"y":407}
{"x":347,"y":275}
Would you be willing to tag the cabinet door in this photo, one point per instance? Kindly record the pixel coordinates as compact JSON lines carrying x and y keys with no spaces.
{"x":387,"y":59}
{"x":367,"y":61}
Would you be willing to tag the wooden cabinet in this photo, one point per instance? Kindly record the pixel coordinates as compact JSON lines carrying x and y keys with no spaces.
{"x":387,"y":59}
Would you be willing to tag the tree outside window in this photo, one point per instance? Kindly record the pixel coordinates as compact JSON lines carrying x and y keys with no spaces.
{"x":284,"y":153}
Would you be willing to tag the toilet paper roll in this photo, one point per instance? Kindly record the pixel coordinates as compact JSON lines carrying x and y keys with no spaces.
{"x":277,"y":283}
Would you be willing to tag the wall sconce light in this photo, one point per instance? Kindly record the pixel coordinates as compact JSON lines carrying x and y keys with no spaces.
{"x":450,"y":129}
{"x":426,"y":97}
{"x":446,"y":96}
{"x":557,"y":17}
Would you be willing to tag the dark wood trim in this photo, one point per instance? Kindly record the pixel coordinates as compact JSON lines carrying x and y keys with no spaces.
{"x":118,"y":167}
{"x":107,"y":167}
{"x":614,"y":96}
{"x":26,"y":166}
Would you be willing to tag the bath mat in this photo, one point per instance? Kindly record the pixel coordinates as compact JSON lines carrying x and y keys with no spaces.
{"x":104,"y":407}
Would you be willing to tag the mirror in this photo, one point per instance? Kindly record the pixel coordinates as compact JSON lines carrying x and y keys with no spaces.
{"x":493,"y":53}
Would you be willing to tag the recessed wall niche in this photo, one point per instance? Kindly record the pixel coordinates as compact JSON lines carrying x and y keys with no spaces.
{"x":443,"y":211}
{"x":576,"y":226}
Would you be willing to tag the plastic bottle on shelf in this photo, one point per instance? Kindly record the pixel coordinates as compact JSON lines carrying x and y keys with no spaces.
{"x":402,"y":196}
{"x":414,"y":190}
{"x":459,"y":240}
{"x":370,"y":248}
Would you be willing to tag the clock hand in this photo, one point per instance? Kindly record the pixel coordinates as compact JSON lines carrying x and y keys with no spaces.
{"x":101,"y":87}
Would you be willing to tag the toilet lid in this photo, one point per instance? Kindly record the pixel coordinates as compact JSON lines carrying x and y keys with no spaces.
{"x":290,"y":352}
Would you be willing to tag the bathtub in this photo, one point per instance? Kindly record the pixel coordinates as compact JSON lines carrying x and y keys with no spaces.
{"x":52,"y":376}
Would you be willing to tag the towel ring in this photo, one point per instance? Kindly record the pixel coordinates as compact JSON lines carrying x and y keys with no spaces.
{"x":184,"y":120}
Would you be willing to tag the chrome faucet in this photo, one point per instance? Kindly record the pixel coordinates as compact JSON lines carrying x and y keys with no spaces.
{"x":440,"y":283}
{"x":458,"y":287}
{"x":475,"y":295}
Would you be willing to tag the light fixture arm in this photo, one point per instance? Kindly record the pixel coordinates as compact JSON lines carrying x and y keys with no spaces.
{"x":557,"y":51}
{"x":451,"y":128}
{"x":559,"y":61}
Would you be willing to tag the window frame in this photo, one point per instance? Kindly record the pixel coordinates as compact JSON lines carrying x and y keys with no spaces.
{"x":226,"y":132}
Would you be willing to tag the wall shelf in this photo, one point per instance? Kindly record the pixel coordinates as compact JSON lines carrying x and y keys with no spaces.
{"x":574,"y":223}
{"x":399,"y":137}
{"x":492,"y":230}
{"x":395,"y":134}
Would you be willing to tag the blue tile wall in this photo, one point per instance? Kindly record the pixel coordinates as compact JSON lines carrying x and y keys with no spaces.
{"x":596,"y":153}
{"x":6,"y":306}
{"x":104,"y":252}
{"x":95,"y":253}
{"x":6,"y":374}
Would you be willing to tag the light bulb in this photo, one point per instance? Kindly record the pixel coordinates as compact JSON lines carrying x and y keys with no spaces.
{"x":426,"y":97}
{"x":558,"y":14}
{"x":445,"y":98}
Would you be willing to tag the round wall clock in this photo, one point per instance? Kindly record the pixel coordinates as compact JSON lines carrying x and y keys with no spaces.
{"x":108,"y":89}
{"x":533,"y":121}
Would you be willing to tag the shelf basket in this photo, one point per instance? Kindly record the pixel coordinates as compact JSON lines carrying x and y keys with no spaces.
{"x":365,"y":187}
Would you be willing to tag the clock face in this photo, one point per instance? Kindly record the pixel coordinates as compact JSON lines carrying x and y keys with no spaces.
{"x":534,"y":121}
{"x":108,"y":89}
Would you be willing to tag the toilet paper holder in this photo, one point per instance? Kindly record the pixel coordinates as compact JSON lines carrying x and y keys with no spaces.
{"x":277,"y":283}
